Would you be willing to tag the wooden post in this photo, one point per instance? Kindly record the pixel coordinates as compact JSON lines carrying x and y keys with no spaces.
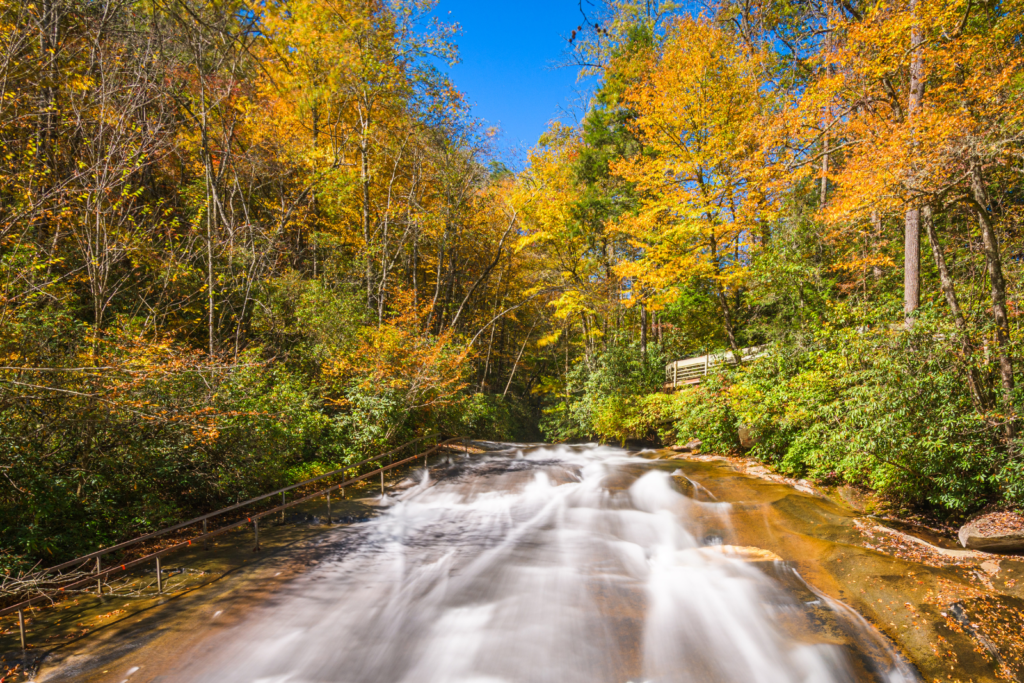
{"x":99,"y":581}
{"x":256,"y":530}
{"x":159,"y":578}
{"x":381,"y":482}
{"x":21,"y":627}
{"x":328,"y":507}
{"x":282,"y":505}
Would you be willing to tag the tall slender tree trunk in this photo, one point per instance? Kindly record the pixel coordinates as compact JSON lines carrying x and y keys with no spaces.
{"x":730,"y":331}
{"x":876,"y":224}
{"x":949,"y":291}
{"x":415,"y":273}
{"x":364,"y":179}
{"x":210,"y":302}
{"x":211,"y":217}
{"x":643,"y":333}
{"x":824,"y":171}
{"x":912,"y":220}
{"x":723,"y":301}
{"x":993,"y":259}
{"x":519,"y":357}
{"x":50,"y":14}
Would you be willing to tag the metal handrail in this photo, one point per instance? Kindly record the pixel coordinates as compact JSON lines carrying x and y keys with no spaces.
{"x":254,"y":518}
{"x":230,"y":508}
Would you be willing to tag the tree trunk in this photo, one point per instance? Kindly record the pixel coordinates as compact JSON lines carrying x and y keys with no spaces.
{"x":912,"y":221}
{"x":643,"y":333}
{"x":364,"y":179}
{"x":415,"y":272}
{"x":723,"y":301}
{"x":876,"y":224}
{"x":990,"y":244}
{"x":949,"y":290}
{"x":730,"y":333}
{"x":824,"y":171}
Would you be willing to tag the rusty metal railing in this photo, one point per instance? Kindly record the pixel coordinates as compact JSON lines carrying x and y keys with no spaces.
{"x":101,"y":575}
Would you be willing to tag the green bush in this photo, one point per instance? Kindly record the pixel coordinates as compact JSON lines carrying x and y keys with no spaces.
{"x":496,"y":418}
{"x":704,"y":412}
{"x":601,"y":394}
{"x":884,"y":407}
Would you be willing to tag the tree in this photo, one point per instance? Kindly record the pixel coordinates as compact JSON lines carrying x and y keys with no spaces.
{"x":711,"y":175}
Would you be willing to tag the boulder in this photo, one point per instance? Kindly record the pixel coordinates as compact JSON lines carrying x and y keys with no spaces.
{"x":747,"y":440}
{"x":998,"y":532}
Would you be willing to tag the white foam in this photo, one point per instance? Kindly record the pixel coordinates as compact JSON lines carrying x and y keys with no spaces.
{"x":534,"y":572}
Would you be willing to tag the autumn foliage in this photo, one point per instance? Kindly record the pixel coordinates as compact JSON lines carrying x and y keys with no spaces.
{"x":244,"y":241}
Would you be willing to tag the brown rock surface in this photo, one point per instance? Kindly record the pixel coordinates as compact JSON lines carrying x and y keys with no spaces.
{"x":997,"y":532}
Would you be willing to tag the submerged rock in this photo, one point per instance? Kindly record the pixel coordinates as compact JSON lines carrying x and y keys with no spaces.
{"x":690,"y":447}
{"x":998,"y":532}
{"x":746,"y":553}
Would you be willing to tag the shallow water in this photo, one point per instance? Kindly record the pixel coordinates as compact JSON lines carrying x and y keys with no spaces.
{"x":549,"y":564}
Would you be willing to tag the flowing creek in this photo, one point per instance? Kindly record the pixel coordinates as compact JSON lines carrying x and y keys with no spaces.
{"x":594,"y":565}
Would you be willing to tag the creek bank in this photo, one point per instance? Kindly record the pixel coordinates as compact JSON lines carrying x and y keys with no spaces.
{"x":996,"y":533}
{"x":957,"y":614}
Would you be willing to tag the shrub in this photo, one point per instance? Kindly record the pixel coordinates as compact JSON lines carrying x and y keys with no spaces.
{"x":885,"y":407}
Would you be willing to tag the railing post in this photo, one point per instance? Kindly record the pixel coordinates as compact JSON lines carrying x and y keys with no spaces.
{"x":282,"y":505}
{"x":256,"y":531}
{"x":329,"y":507}
{"x":206,"y":543}
{"x":159,"y":578}
{"x":382,"y":481}
{"x":99,"y":581}
{"x":21,"y":627}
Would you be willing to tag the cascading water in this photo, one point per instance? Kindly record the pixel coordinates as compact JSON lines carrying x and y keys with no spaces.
{"x":548,"y":564}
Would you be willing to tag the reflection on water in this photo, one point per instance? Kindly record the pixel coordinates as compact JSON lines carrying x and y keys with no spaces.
{"x":549,"y":564}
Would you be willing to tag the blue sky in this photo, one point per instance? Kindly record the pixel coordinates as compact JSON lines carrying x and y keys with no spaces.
{"x":508,"y":53}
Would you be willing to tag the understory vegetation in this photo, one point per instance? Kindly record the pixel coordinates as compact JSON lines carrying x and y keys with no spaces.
{"x":244,"y":243}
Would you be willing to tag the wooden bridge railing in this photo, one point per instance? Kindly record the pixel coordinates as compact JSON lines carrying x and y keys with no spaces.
{"x":692,"y":370}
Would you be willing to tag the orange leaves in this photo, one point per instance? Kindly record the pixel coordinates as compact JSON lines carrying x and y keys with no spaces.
{"x":892,"y":157}
{"x":398,"y":361}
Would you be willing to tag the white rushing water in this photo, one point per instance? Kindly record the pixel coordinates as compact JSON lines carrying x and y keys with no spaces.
{"x":535,"y":565}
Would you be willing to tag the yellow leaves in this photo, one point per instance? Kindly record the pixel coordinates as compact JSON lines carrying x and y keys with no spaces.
{"x":710,"y":177}
{"x":550,"y":339}
{"x":572,"y":302}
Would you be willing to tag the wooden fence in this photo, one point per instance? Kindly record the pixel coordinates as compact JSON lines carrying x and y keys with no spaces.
{"x":692,"y":370}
